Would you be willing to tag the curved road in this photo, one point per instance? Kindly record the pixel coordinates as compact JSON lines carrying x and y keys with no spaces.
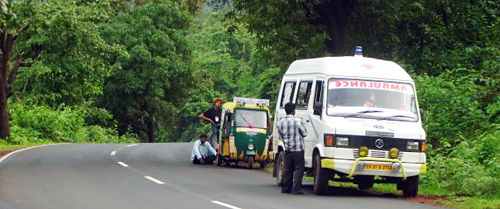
{"x":148,"y":176}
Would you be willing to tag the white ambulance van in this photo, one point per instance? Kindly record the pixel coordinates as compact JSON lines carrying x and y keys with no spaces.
{"x":362,"y":120}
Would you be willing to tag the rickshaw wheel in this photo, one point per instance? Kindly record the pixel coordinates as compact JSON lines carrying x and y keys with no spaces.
{"x":250,"y":162}
{"x":218,"y":160}
{"x":262,"y":164}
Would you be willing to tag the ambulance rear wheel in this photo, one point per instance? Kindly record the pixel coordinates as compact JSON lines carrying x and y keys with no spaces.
{"x":364,"y":182}
{"x":410,"y":186}
{"x":321,"y":177}
{"x":280,"y":166}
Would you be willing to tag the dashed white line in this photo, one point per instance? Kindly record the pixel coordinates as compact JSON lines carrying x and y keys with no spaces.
{"x":154,"y":180}
{"x":224,"y":204}
{"x":132,"y":145}
{"x":123,"y":164}
{"x":113,"y":153}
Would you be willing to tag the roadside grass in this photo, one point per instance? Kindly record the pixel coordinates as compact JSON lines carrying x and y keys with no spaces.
{"x":6,"y":148}
{"x":438,"y":196}
{"x":473,"y":202}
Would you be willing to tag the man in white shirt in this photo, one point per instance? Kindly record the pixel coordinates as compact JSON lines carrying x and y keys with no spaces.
{"x":202,"y":152}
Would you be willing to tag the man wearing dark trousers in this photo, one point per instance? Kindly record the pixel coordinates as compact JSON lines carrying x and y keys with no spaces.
{"x":202,"y":152}
{"x":292,"y":132}
{"x":212,"y":116}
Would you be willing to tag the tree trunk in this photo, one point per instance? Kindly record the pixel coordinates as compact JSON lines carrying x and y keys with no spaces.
{"x":6,"y":43}
{"x":151,"y":129}
{"x":334,"y":16}
{"x":4,"y":114}
{"x":336,"y":29}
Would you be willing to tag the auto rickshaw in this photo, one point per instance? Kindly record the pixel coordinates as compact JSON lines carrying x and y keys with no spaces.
{"x":245,"y":130}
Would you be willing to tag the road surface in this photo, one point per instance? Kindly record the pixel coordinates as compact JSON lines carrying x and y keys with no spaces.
{"x":149,"y":176}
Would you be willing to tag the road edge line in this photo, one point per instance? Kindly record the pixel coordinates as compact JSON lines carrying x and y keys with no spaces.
{"x":20,"y":150}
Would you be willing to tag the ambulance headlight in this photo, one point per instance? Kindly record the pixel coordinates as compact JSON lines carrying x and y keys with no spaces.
{"x":394,"y":152}
{"x":250,"y":146}
{"x":342,"y":141}
{"x":412,"y":146}
{"x":363,"y":151}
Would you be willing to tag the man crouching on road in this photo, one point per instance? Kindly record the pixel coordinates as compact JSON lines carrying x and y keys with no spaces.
{"x":291,"y":131}
{"x":202,"y":152}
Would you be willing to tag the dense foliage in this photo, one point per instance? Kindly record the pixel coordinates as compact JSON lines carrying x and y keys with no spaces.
{"x":101,"y":69}
{"x":155,"y":76}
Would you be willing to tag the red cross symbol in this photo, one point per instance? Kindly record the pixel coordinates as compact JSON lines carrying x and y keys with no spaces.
{"x":367,"y":66}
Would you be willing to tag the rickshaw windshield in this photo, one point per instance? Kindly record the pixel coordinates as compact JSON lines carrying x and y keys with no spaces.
{"x":250,"y":118}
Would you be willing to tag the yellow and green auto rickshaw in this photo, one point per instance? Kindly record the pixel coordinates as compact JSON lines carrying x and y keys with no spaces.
{"x":245,"y":130}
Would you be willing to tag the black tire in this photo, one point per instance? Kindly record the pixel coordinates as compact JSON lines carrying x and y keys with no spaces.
{"x":321,"y":177}
{"x":250,"y":162}
{"x":410,"y":186}
{"x":280,"y":165}
{"x":218,"y":160}
{"x":364,"y":182}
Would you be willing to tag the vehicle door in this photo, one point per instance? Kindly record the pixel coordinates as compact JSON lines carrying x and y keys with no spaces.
{"x":315,"y":112}
{"x":302,"y":111}
{"x":287,"y":94}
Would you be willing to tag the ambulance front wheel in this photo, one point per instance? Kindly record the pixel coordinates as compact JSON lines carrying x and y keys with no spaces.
{"x":321,"y":177}
{"x":410,"y":186}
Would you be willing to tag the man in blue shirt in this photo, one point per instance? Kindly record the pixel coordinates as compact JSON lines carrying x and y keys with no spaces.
{"x":292,"y":132}
{"x":202,"y":152}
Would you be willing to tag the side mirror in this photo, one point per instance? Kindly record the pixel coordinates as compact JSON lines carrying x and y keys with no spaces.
{"x":421,"y":113}
{"x":318,"y":107}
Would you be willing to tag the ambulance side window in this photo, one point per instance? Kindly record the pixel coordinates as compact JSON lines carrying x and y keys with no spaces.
{"x":287,"y":94}
{"x":303,"y":95}
{"x":318,"y":98}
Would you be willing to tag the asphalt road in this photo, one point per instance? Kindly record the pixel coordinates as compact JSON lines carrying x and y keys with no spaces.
{"x":147,"y":176}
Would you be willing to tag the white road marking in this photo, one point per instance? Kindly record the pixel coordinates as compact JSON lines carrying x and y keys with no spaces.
{"x":20,"y":150}
{"x":132,"y":145}
{"x":224,"y":204}
{"x":113,"y":153}
{"x":123,"y":164}
{"x":154,"y":180}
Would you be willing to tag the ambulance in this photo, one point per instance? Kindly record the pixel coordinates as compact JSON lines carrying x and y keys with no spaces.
{"x":363,"y":122}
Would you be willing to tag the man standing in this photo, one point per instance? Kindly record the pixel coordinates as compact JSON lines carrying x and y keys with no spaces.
{"x":202,"y":152}
{"x":291,"y":131}
{"x":212,"y":116}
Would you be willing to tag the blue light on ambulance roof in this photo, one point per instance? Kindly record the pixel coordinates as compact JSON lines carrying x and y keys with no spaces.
{"x":359,"y":51}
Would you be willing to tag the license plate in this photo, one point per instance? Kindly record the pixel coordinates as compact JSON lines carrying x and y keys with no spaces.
{"x":380,"y":167}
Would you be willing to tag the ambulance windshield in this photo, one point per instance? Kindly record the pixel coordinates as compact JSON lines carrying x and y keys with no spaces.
{"x":374,"y":99}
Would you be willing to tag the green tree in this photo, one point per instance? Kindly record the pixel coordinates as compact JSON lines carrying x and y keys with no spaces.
{"x":222,"y":57}
{"x":156,"y":76}
{"x":10,"y":29}
{"x":73,"y":64}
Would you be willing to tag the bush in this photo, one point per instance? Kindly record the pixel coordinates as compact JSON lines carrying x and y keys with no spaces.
{"x":472,"y":168}
{"x":99,"y":134}
{"x":41,"y":124}
{"x":464,"y":177}
{"x":452,"y":107}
